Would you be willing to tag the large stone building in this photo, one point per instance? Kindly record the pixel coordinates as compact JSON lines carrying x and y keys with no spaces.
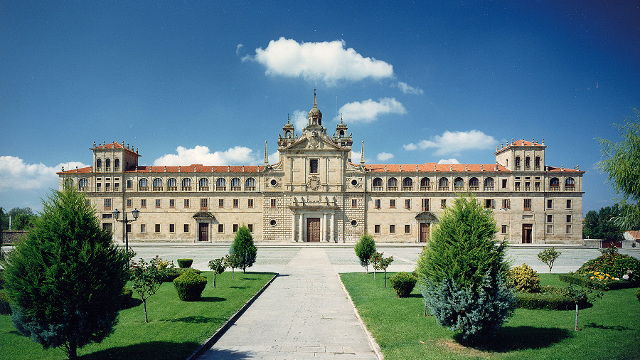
{"x":317,"y":193}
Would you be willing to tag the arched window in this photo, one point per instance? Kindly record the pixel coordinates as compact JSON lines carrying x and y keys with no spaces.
{"x":203,"y":184}
{"x":186,"y":184}
{"x":407,"y":183}
{"x":377,"y":184}
{"x":250,"y":184}
{"x":68,"y":183}
{"x":107,"y":164}
{"x":99,"y":163}
{"x":82,"y":184}
{"x":537,"y":163}
{"x":517,"y":162}
{"x":554,"y":184}
{"x":443,"y":184}
{"x":236,"y":184}
{"x":458,"y":183}
{"x":488,"y":183}
{"x":116,"y":164}
{"x":392,"y":184}
{"x":569,"y":184}
{"x":474,"y":184}
{"x":527,"y":163}
{"x":142,"y":184}
{"x":425,"y":183}
{"x":157,"y":184}
{"x":172,"y":184}
{"x":221,"y":183}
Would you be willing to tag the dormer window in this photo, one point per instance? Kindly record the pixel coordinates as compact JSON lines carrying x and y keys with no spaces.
{"x":313,"y":166}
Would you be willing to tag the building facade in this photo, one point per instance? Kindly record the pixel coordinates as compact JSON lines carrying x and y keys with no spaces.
{"x":317,"y":193}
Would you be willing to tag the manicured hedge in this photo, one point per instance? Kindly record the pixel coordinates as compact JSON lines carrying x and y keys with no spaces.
{"x":549,"y":299}
{"x":403,"y":283}
{"x":190,"y":285}
{"x":185,"y":263}
{"x":171,"y":273}
{"x":583,"y":280}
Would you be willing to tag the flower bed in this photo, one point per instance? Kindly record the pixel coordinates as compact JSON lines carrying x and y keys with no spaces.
{"x":597,"y":280}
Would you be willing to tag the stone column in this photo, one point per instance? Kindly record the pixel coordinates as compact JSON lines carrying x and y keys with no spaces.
{"x":293,"y":227}
{"x":323,"y":228}
{"x":300,"y":228}
{"x":332,"y":234}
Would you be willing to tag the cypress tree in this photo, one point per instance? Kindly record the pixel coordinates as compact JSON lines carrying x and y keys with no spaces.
{"x":243,"y":248}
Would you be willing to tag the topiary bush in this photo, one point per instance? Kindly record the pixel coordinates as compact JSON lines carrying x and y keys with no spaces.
{"x":615,"y":264}
{"x":185,"y":263}
{"x":190,"y":285}
{"x":403,"y":283}
{"x":524,"y":279}
{"x":5,"y":309}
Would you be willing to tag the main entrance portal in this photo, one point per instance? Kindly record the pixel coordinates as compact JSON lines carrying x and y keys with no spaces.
{"x":424,"y":232}
{"x":313,"y":229}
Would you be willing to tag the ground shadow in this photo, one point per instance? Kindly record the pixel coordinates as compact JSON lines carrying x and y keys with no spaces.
{"x":606,"y":327}
{"x":514,"y":338}
{"x":157,"y":350}
{"x":238,"y":287}
{"x":415,"y":295}
{"x":133,"y":302}
{"x":282,"y":275}
{"x":194,"y":319}
{"x":228,"y":354}
{"x":211,"y":299}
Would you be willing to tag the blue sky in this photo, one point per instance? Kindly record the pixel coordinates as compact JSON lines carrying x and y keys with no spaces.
{"x":175,"y":77}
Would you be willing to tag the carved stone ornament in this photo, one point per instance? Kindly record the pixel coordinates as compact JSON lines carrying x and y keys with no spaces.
{"x":314,"y":183}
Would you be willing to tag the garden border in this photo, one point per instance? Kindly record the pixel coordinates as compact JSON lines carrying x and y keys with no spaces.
{"x":207,"y":344}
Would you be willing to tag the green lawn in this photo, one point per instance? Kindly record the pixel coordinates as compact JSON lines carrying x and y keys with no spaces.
{"x":611,"y":328}
{"x":175,"y":328}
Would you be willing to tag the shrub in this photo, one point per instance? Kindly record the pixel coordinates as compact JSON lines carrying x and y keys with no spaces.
{"x":524,"y":279}
{"x":613,"y":263}
{"x":380,"y":262}
{"x":243,"y":249}
{"x":185,"y":263}
{"x":549,"y":256}
{"x":5,"y":309}
{"x":549,"y":298}
{"x":604,"y":285}
{"x":65,"y":277}
{"x":190,"y":285}
{"x":365,"y":248}
{"x":403,"y":283}
{"x":146,"y":279}
{"x":463,"y":273}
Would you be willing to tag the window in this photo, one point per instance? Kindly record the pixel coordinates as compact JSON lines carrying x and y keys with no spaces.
{"x":407,"y":229}
{"x":107,"y":216}
{"x":82,"y":184}
{"x":376,"y":229}
{"x":554,"y":184}
{"x":443,"y":184}
{"x":425,"y":204}
{"x":425,"y":184}
{"x":504,"y":229}
{"x":517,"y":162}
{"x":549,"y":228}
{"x":235,"y":203}
{"x":203,"y":184}
{"x":116,"y":187}
{"x":392,"y":229}
{"x":474,"y":184}
{"x":204,"y":204}
{"x":250,"y":184}
{"x":527,"y":163}
{"x":377,"y":203}
{"x":157,"y":228}
{"x":157,"y":184}
{"x":568,"y":229}
{"x":250,"y":226}
{"x":273,"y":222}
{"x":107,"y":204}
{"x":220,"y":228}
{"x":143,"y":184}
{"x":443,"y":203}
{"x":157,"y":203}
{"x":537,"y":163}
{"x":392,"y":184}
{"x":235,"y":228}
{"x":186,"y":184}
{"x":458,"y":183}
{"x":517,"y":184}
{"x":129,"y":203}
{"x":407,"y":203}
{"x":99,"y":163}
{"x":143,"y":228}
{"x":143,"y":203}
{"x":235,"y":184}
{"x":107,"y":164}
{"x":549,"y":218}
{"x":172,"y":228}
{"x":273,"y":203}
{"x":129,"y":184}
{"x":186,"y":228}
{"x":377,"y":184}
{"x":107,"y":187}
{"x":527,"y":204}
{"x":128,"y":228}
{"x":568,"y":204}
{"x":172,"y":203}
{"x":537,"y":186}
{"x":506,"y":203}
{"x":504,"y":183}
{"x":220,"y":203}
{"x":186,"y":203}
{"x":489,"y":203}
{"x":392,"y":203}
{"x":250,"y":203}
{"x":172,"y":184}
{"x":107,"y":227}
{"x":313,"y":166}
{"x":569,"y":184}
{"x":568,"y":218}
{"x":549,"y":204}
{"x":354,"y":203}
{"x":407,"y":183}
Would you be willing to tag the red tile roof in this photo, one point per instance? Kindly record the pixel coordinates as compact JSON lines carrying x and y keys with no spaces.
{"x":435,"y":167}
{"x":521,"y":142}
{"x":634,"y":234}
{"x":114,"y":145}
{"x":198,"y":168}
{"x":84,"y":170}
{"x":558,"y":169}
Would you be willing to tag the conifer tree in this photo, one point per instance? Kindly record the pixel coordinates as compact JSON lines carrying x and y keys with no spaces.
{"x":243,"y":248}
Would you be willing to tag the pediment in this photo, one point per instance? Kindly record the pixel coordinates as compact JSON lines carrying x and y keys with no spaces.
{"x":314,"y":141}
{"x":427,"y":216}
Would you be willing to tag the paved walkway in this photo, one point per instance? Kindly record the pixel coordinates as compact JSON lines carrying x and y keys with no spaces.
{"x":304,"y":314}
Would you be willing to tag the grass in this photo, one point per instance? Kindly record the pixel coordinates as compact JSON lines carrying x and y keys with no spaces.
{"x":175,"y":329}
{"x":610,"y":329}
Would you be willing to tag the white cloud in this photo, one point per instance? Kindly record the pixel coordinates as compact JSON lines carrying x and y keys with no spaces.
{"x":299,"y":119}
{"x":384,"y":156}
{"x":327,"y":61}
{"x":368,"y":110}
{"x":355,"y":157}
{"x":408,"y":89}
{"x":236,"y":155}
{"x":448,"y":161}
{"x":274,"y":158}
{"x":454,"y":142}
{"x":238,"y":48}
{"x":15,"y":174}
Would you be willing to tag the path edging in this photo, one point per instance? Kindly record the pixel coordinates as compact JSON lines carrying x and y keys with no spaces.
{"x":372,"y":341}
{"x":207,"y":344}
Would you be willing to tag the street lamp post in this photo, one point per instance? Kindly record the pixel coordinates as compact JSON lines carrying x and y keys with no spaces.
{"x":116,"y":214}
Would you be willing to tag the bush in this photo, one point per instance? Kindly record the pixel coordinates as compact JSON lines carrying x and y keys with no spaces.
{"x":524,"y":279}
{"x":463,"y":272}
{"x":403,"y":283}
{"x":604,"y":285}
{"x":5,"y":309}
{"x":243,"y":249}
{"x":365,"y":248}
{"x":615,"y":264}
{"x":549,"y":298}
{"x":185,"y":263}
{"x":190,"y":285}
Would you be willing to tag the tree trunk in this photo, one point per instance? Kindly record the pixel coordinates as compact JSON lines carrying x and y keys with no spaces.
{"x":374,"y":274}
{"x":385,"y":279}
{"x":577,"y":314}
{"x":72,"y":351}
{"x":214,"y":279}
{"x":144,"y":304}
{"x":233,"y":273}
